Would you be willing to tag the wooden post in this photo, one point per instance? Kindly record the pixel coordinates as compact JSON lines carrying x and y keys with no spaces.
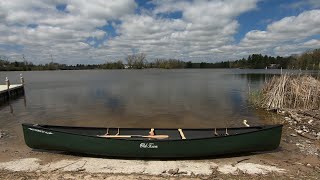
{"x":8,"y":87}
{"x":7,"y":82}
{"x":21,"y":79}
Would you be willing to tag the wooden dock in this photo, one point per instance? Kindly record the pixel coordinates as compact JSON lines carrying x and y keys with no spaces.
{"x":11,"y":91}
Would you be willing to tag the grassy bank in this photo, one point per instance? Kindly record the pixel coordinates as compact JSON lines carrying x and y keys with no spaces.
{"x":297,"y":98}
{"x":288,"y":92}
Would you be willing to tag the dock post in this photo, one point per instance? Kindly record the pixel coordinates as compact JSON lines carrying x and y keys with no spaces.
{"x":23,"y":91}
{"x":8,"y":87}
{"x":21,"y":79}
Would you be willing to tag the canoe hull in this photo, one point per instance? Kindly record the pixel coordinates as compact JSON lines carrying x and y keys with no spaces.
{"x":41,"y":138}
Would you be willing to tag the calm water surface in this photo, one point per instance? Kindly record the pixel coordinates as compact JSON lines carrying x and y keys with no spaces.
{"x":136,"y":98}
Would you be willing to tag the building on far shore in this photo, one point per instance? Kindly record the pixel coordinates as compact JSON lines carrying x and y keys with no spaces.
{"x":274,"y":66}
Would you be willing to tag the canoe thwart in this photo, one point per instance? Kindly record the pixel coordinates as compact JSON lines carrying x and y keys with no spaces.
{"x":107,"y":133}
{"x":181,"y":134}
{"x":215,"y":132}
{"x":118,"y":132}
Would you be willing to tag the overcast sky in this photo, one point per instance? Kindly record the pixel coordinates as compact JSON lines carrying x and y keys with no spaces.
{"x":96,"y":31}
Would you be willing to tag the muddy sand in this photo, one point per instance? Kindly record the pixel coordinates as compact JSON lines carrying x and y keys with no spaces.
{"x":298,"y":157}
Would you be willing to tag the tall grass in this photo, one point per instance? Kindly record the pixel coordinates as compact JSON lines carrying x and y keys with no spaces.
{"x":289,"y":91}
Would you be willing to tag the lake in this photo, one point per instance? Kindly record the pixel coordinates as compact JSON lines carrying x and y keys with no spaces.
{"x":137,"y":98}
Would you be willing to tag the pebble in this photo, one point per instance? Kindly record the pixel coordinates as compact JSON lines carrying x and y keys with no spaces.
{"x":2,"y":134}
{"x":310,"y":121}
{"x":294,"y":135}
{"x":309,"y":165}
{"x":299,"y":131}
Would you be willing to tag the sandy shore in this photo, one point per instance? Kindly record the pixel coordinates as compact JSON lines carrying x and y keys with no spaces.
{"x":296,"y":158}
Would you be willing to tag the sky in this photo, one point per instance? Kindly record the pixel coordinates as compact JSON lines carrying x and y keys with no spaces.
{"x":99,"y":31}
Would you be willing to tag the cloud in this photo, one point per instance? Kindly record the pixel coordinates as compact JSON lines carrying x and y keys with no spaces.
{"x":82,"y":30}
{"x":297,"y":48}
{"x":204,"y":25}
{"x":302,"y":3}
{"x":289,"y":31}
{"x":42,"y":29}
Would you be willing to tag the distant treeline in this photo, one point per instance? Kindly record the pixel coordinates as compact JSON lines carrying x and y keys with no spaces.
{"x":309,"y":60}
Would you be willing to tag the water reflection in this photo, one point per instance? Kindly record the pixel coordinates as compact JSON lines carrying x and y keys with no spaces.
{"x":138,"y":98}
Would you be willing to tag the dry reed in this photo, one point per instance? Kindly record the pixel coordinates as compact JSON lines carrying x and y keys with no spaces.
{"x":291,"y":91}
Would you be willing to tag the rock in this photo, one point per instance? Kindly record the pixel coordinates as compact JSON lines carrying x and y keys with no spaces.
{"x":309,"y":142}
{"x":299,"y":131}
{"x":294,"y":135}
{"x":2,"y":134}
{"x":310,"y":121}
{"x":309,"y":165}
{"x":81,"y":169}
{"x":173,"y":171}
{"x":287,"y":118}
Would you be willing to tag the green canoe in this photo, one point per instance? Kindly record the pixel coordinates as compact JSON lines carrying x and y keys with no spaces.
{"x":162,"y":143}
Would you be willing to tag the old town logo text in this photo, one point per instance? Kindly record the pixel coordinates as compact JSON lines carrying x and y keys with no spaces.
{"x":148,"y":145}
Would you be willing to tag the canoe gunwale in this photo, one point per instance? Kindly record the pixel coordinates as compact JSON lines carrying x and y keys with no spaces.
{"x":258,"y":129}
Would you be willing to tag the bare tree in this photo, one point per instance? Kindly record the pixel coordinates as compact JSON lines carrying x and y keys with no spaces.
{"x":136,"y":61}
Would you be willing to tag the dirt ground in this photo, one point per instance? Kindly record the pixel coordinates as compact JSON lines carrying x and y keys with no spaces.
{"x":298,"y":157}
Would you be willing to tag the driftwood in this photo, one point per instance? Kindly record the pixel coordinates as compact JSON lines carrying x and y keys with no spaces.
{"x":237,"y":162}
{"x":293,"y":116}
{"x":307,"y":136}
{"x":310,"y":114}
